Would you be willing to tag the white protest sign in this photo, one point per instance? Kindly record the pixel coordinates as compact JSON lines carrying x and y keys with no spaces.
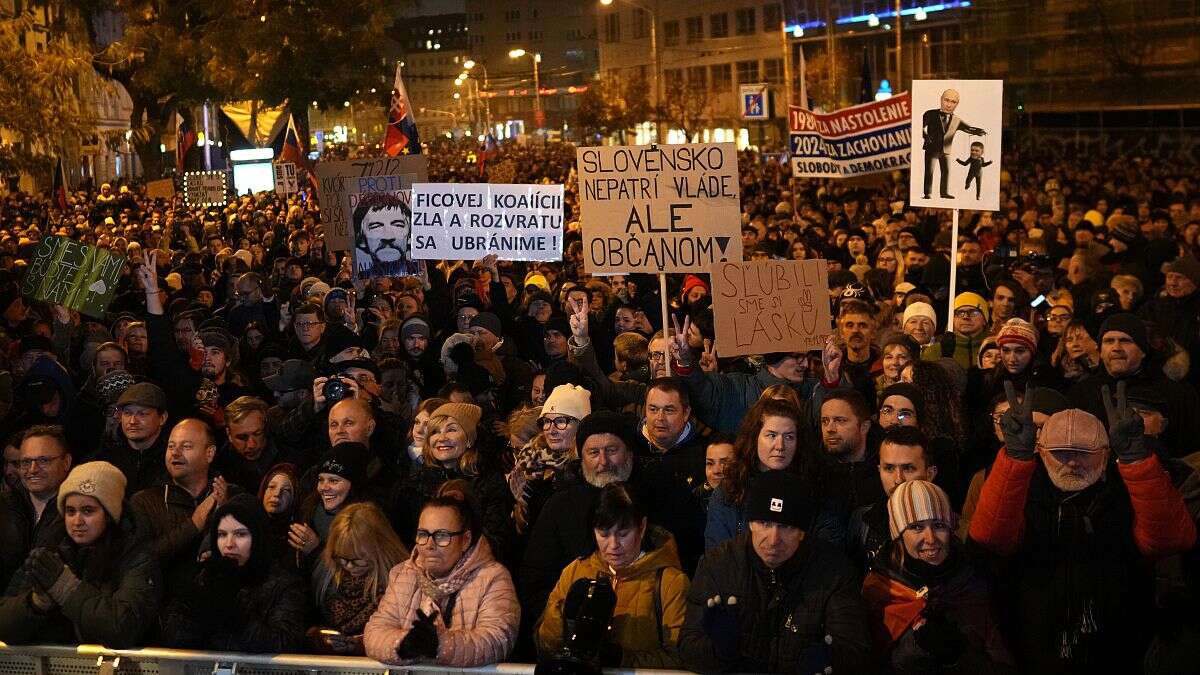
{"x":659,"y":208}
{"x":285,"y":179}
{"x":335,"y":180}
{"x":204,"y":188}
{"x":956,"y":126}
{"x":467,"y":221}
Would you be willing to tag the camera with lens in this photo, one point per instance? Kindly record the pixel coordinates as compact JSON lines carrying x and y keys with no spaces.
{"x":587,"y":620}
{"x":336,"y":389}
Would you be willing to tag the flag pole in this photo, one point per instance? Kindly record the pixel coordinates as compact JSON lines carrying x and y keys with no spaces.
{"x":953,"y":270}
{"x":666,"y":323}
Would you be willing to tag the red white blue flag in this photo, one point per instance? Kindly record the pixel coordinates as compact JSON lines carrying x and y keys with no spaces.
{"x":401,"y":135}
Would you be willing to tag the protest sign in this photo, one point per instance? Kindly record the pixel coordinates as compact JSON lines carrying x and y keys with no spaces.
{"x":466,"y":221}
{"x":285,"y":179}
{"x":74,"y":275}
{"x":659,"y":208}
{"x":160,"y":189}
{"x":205,"y":188}
{"x":956,"y":128}
{"x":768,"y":306}
{"x":335,"y":180}
{"x":380,"y":221}
{"x":502,"y":172}
{"x":852,"y":141}
{"x":752,"y":100}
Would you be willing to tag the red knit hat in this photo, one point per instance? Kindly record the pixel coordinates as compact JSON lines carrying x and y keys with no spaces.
{"x":1018,"y":331}
{"x":691,"y":281}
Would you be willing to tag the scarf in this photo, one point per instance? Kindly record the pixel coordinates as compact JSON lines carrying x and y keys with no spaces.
{"x":443,"y":591}
{"x":534,"y":461}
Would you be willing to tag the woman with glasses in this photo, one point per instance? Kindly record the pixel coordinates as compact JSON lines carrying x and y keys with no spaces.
{"x":451,"y":603}
{"x":361,"y":550}
{"x":545,"y":459}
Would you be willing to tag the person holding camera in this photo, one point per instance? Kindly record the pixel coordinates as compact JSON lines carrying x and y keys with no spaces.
{"x":642,"y":564}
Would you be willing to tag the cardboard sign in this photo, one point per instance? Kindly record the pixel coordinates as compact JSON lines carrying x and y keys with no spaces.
{"x":74,"y":275}
{"x":336,"y":180}
{"x":161,"y":189}
{"x":502,"y":173}
{"x":381,"y":221}
{"x":752,"y":100}
{"x":466,"y":221}
{"x":854,"y":141}
{"x":956,"y":130}
{"x":659,"y":208}
{"x":205,"y":188}
{"x":768,"y":306}
{"x":286,"y":182}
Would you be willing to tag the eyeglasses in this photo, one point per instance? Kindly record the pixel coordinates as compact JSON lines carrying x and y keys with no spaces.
{"x":658,"y":356}
{"x":901,"y":414}
{"x":1058,"y":318}
{"x":966,"y":312}
{"x":441,"y":537}
{"x":42,"y":462}
{"x":350,"y":562}
{"x":559,"y":423}
{"x":305,"y":325}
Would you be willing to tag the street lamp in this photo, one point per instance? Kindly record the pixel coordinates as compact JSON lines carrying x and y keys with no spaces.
{"x":653,"y":53}
{"x":538,"y":116}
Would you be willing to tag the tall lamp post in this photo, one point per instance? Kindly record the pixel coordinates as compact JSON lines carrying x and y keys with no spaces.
{"x":469,"y":65}
{"x":654,"y":55}
{"x":539,"y":117}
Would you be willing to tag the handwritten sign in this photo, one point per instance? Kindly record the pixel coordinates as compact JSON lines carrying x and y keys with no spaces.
{"x":466,"y":221}
{"x":768,"y":306}
{"x":853,"y":141}
{"x":285,"y":179}
{"x":381,"y":221}
{"x":659,"y":208}
{"x":205,"y":188}
{"x":160,"y":189}
{"x":66,"y":272}
{"x":336,"y":180}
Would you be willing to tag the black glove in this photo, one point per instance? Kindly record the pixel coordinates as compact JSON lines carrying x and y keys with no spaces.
{"x":44,"y":567}
{"x":1126,"y":429}
{"x":611,"y":655}
{"x":942,"y":639}
{"x":720,"y":623}
{"x":216,"y":599}
{"x":1020,"y":434}
{"x":422,"y":638}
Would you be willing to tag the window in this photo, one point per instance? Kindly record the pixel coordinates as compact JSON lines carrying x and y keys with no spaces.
{"x":721,"y":77}
{"x":671,"y":33}
{"x":747,"y":72}
{"x":641,"y":23}
{"x":612,"y":27}
{"x":673,"y":77}
{"x":574,"y":34}
{"x":745,"y":21}
{"x":772,"y":16}
{"x":512,"y":15}
{"x":718,"y":25}
{"x":695,"y":29}
{"x":773,"y":71}
{"x":695,"y":78}
{"x":514,"y":36}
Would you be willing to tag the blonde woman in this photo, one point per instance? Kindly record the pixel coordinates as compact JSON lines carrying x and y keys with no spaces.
{"x":359,"y":552}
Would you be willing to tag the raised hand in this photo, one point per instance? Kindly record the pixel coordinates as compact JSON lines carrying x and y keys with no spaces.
{"x":708,"y":358}
{"x":681,"y":351}
{"x":579,"y":320}
{"x":831,"y":359}
{"x":1020,"y":434}
{"x":1126,"y":429}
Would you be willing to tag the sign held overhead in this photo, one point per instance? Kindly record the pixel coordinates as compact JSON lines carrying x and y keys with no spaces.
{"x":768,"y":306}
{"x":467,"y":221}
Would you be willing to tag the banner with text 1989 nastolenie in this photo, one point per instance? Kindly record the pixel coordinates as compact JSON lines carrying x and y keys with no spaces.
{"x":854,"y":141}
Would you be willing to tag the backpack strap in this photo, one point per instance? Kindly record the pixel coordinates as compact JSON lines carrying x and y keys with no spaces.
{"x":658,"y":609}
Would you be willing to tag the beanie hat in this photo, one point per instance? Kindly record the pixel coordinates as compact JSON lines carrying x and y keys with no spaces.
{"x":989,"y":342}
{"x":415,"y":325}
{"x":1018,"y":331}
{"x":466,"y":414}
{"x":348,"y":460}
{"x":921,"y":309}
{"x":1073,"y":429}
{"x":568,"y":399}
{"x":535,"y":279}
{"x":1047,"y":401}
{"x":905,"y":287}
{"x":101,"y":480}
{"x":908,"y":391}
{"x":315,"y":289}
{"x":216,"y":337}
{"x":606,"y":422}
{"x":975,"y":300}
{"x":780,"y":497}
{"x":245,"y":256}
{"x":113,"y":385}
{"x":917,"y":500}
{"x":1130,"y":325}
{"x":489,"y":322}
{"x":338,"y":337}
{"x":691,"y":281}
{"x":1187,"y":266}
{"x":1123,"y":229}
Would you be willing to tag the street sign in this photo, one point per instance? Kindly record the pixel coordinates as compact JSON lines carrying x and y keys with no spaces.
{"x":752,"y":100}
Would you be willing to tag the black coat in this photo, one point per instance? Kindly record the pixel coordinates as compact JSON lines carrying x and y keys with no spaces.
{"x":142,"y":468}
{"x":495,"y":503}
{"x":1183,"y":405}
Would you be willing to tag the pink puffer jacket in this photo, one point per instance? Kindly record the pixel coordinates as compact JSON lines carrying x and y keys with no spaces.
{"x":484,"y":620}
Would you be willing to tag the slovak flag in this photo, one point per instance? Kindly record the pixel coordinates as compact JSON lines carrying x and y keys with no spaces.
{"x":488,"y":151}
{"x":291,"y":150}
{"x":401,"y":135}
{"x":185,"y":139}
{"x":59,"y":185}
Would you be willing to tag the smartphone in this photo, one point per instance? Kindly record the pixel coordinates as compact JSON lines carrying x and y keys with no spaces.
{"x":1037,"y":302}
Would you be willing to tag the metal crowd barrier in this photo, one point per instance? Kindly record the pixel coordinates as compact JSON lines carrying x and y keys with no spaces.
{"x":99,"y":660}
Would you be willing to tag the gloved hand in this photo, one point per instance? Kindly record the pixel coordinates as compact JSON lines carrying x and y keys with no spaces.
{"x":1020,"y":434}
{"x":720,"y":623}
{"x":422,"y":638}
{"x":44,"y":567}
{"x":216,"y":598}
{"x":941,"y":638}
{"x":1126,"y":429}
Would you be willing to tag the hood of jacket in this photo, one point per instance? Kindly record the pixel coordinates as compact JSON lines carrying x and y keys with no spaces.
{"x":661,"y":552}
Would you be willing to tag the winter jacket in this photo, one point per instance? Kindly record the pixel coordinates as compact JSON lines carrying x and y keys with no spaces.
{"x":961,"y":348}
{"x":142,"y":468}
{"x":1062,"y":554}
{"x":483,"y":613}
{"x":21,"y":530}
{"x":111,"y":595}
{"x":897,"y":599}
{"x":1183,"y":404}
{"x":167,"y":511}
{"x":651,"y":601}
{"x":491,"y":491}
{"x":722,"y":399}
{"x":1178,"y":319}
{"x":783,"y":615}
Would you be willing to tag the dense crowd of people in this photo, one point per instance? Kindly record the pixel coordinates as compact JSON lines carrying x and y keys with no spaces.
{"x":254,"y":451}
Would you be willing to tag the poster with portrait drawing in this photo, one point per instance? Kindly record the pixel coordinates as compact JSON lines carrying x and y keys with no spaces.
{"x":381,"y":221}
{"x":956,"y":131}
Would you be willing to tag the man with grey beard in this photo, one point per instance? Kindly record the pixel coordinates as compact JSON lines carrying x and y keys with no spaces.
{"x":1076,"y":535}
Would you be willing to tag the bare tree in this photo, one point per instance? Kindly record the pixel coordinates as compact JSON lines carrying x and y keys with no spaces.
{"x":685,"y":108}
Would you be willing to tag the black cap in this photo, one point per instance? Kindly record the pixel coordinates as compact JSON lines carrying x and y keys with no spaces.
{"x":607,"y":422}
{"x":780,"y":497}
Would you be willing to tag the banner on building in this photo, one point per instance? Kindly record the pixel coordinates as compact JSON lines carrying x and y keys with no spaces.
{"x":768,"y":306}
{"x":853,"y":141}
{"x":164,"y":188}
{"x":659,"y":208}
{"x":72,"y":274}
{"x":956,"y":144}
{"x":467,"y":221}
{"x":205,"y":188}
{"x":336,"y":180}
{"x":753,"y":102}
{"x":286,"y":182}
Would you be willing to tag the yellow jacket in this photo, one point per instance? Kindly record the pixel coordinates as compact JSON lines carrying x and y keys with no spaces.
{"x":633,"y":625}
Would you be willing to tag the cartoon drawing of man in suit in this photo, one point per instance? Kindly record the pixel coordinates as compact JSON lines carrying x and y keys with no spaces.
{"x":937,"y":129}
{"x":975,"y":162}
